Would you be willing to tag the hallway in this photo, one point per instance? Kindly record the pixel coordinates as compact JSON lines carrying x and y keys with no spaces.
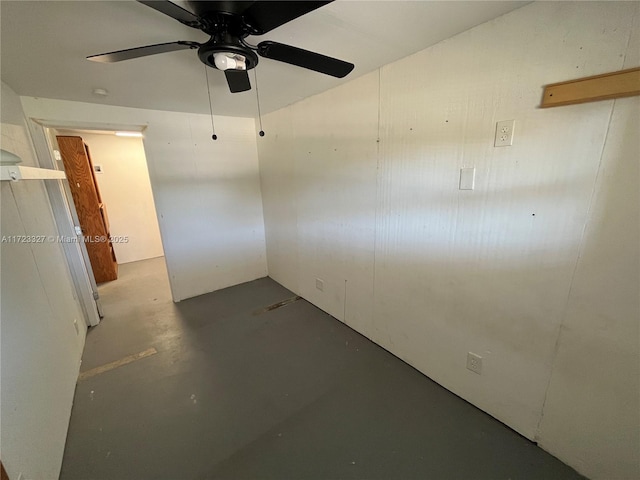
{"x":237,"y":392}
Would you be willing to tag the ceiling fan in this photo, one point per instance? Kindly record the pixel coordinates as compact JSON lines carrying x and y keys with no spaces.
{"x":228,"y":23}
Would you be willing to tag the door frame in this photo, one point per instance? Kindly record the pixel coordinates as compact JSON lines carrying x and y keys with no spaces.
{"x":66,"y":218}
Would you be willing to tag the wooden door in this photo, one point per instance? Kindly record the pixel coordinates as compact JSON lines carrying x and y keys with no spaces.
{"x":88,"y":203}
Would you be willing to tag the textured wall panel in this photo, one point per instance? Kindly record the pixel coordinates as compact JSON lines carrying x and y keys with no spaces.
{"x":488,"y":270}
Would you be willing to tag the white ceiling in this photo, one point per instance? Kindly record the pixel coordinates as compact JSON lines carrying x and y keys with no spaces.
{"x":44,"y":45}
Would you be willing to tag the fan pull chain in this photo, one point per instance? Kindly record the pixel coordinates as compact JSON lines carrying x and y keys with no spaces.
{"x":213,"y":128}
{"x":255,"y":78}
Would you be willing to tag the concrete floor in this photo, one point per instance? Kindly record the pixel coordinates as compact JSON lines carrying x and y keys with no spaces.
{"x":287,"y":394}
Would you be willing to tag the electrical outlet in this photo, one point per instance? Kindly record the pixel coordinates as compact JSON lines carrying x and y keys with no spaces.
{"x":504,"y":133}
{"x":75,"y":324}
{"x":474,"y":363}
{"x":320,"y":284}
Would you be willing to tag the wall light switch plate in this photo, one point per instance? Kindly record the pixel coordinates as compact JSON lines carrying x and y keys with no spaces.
{"x":467,"y":178}
{"x":320,"y":284}
{"x":98,"y":169}
{"x":504,"y":133}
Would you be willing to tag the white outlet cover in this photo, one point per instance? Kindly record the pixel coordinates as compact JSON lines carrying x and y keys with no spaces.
{"x":320,"y":284}
{"x":474,"y":363}
{"x":504,"y":133}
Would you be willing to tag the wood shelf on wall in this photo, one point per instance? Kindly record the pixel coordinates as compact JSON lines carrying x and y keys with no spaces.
{"x":625,"y":83}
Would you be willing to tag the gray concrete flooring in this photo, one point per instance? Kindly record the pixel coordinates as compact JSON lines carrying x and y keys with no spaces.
{"x":288,"y":394}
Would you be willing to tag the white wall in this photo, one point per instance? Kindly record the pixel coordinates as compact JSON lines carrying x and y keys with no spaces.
{"x":536,"y":269}
{"x":603,"y":315}
{"x":126,"y":192}
{"x":40,"y":348}
{"x":207,"y":194}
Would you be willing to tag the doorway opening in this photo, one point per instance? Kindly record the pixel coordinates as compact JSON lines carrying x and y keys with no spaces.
{"x":110,"y":200}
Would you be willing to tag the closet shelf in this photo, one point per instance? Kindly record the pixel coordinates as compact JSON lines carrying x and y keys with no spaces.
{"x":17,"y":172}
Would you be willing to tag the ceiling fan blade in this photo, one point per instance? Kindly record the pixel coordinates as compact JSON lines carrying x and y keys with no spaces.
{"x":305,"y":59}
{"x":174,"y":11}
{"x":138,"y":52}
{"x":238,"y":80}
{"x":264,"y":16}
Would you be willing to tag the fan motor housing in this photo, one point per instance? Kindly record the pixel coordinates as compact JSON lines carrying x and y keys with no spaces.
{"x":226,"y":45}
